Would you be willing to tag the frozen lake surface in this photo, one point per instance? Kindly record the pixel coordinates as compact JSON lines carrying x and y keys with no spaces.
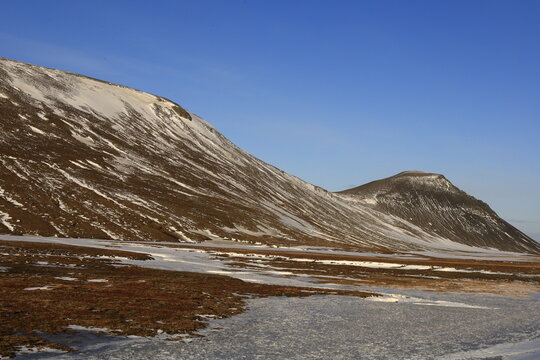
{"x":445,"y":326}
{"x":402,"y":324}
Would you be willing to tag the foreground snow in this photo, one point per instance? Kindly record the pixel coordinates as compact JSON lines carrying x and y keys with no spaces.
{"x":336,"y":327}
{"x":400,"y":324}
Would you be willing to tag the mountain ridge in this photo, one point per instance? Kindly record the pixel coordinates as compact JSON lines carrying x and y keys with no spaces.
{"x":82,"y":157}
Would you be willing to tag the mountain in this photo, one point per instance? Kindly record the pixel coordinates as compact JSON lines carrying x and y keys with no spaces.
{"x":81,"y":157}
{"x":439,"y":208}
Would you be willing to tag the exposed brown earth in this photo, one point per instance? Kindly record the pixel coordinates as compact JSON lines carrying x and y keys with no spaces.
{"x":128,"y":300}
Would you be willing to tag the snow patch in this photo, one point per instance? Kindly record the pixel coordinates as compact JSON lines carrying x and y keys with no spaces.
{"x":397,"y":298}
{"x":94,"y":164}
{"x":522,"y":350}
{"x":66,"y":278}
{"x":36,"y":130}
{"x":8,"y":198}
{"x":4,"y":219}
{"x":78,"y":164}
{"x":87,"y":140}
{"x":39,"y":288}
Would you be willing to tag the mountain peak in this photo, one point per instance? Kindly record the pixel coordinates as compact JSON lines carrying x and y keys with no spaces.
{"x":404,"y":181}
{"x":418,"y":174}
{"x":415,"y":173}
{"x":434,"y":204}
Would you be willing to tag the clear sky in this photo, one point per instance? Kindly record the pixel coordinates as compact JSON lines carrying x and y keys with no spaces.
{"x":338,"y":93}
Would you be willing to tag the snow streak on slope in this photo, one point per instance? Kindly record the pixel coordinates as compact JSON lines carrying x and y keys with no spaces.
{"x":81,"y":157}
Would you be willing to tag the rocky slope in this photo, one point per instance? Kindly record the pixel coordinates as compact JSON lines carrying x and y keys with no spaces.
{"x":80,"y":157}
{"x":439,"y":208}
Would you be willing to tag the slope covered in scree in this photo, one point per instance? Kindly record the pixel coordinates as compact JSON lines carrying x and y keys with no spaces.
{"x":434,"y":204}
{"x":81,"y":157}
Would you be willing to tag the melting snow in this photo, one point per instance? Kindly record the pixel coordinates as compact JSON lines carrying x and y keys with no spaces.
{"x":342,"y":327}
{"x":8,"y":198}
{"x":94,"y":164}
{"x":36,"y":130}
{"x":397,"y":298}
{"x":4,"y":218}
{"x":77,"y":163}
{"x":87,"y":140}
{"x":40,"y":288}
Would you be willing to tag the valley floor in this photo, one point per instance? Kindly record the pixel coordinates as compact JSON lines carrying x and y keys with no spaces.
{"x":341,"y":327}
{"x":60,"y":297}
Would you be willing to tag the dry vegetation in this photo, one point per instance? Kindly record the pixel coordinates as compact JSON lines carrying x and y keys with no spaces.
{"x":128,"y":300}
{"x":507,"y":278}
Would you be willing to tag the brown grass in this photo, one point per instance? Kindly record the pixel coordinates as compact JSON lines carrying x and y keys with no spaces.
{"x":133,"y":301}
{"x":519,"y":278}
{"x":514,"y":267}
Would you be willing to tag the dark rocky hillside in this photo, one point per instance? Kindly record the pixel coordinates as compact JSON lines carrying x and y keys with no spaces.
{"x":434,"y":204}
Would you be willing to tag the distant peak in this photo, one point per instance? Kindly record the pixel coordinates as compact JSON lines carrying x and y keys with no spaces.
{"x":416,"y":178}
{"x":421,"y":177}
{"x":416,"y":173}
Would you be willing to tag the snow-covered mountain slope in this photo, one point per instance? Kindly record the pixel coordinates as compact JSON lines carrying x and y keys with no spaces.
{"x":81,"y":157}
{"x":439,"y":208}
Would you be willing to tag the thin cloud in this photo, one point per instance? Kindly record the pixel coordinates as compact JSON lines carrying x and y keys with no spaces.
{"x":519,"y":221}
{"x":187,"y":67}
{"x":51,"y":54}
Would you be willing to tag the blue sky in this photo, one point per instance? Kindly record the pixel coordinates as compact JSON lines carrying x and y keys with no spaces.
{"x":338,"y":93}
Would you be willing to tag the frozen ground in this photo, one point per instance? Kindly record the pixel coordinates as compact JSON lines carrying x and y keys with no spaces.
{"x":338,"y":327}
{"x":166,"y":257}
{"x":402,"y":324}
